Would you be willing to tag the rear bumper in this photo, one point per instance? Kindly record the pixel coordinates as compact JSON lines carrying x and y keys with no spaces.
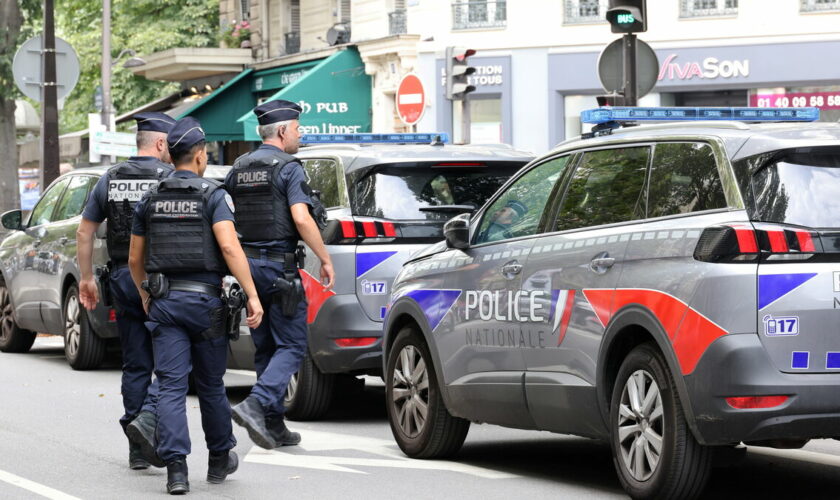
{"x":342,"y":316}
{"x":738,"y":365}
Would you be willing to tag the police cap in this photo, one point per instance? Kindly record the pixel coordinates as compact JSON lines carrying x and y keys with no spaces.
{"x":154,"y":122}
{"x":277,"y":111}
{"x":517,"y":207}
{"x":185,"y":134}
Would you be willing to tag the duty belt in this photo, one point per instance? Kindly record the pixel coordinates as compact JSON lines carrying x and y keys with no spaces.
{"x":280,"y":257}
{"x":195,"y":286}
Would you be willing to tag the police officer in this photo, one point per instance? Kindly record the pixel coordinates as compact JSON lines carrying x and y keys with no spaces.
{"x":114,"y":198}
{"x":183,"y":242}
{"x":273,"y":204}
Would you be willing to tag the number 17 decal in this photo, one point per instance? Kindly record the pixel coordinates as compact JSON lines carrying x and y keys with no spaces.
{"x":781,"y":326}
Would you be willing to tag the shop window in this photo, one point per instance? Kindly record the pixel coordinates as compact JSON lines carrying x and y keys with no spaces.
{"x":472,"y":14}
{"x":585,"y":11}
{"x":684,"y":178}
{"x":485,"y":120}
{"x":705,"y":8}
{"x":819,"y":5}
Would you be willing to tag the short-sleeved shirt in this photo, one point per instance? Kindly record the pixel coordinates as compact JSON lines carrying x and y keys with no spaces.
{"x":217,"y":210}
{"x":290,"y":179}
{"x":96,"y":208}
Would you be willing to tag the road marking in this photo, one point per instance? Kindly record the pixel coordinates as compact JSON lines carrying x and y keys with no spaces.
{"x":315,"y":441}
{"x":799,"y":455}
{"x":40,"y":489}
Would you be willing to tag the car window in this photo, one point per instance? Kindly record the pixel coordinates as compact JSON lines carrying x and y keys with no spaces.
{"x":607,"y":187}
{"x":74,"y":198}
{"x":322,"y":176}
{"x":42,"y":213}
{"x":684,"y":178}
{"x":518,"y":211}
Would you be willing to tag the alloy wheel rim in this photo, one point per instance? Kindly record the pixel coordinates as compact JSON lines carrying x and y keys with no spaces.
{"x":72,"y":325}
{"x":7,"y":321}
{"x":410,"y":391}
{"x":291,"y":389}
{"x":641,"y":425}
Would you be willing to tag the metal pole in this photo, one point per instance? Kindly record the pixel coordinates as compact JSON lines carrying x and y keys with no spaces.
{"x":49,"y":97}
{"x":631,"y":86}
{"x":465,"y":120}
{"x":106,"y":71}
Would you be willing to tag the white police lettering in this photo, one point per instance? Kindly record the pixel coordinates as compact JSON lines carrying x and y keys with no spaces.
{"x":129,"y":189}
{"x":176,"y":208}
{"x":837,"y":281}
{"x":252,"y":177}
{"x":520,"y":306}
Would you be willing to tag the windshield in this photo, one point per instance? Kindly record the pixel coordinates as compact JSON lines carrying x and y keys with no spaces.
{"x":399,"y":193}
{"x":801,"y":189}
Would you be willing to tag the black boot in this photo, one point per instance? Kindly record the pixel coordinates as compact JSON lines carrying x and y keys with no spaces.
{"x":135,"y":458}
{"x":249,"y":414}
{"x":220,"y":465}
{"x":177,"y":480}
{"x":141,"y":432}
{"x":280,"y":433}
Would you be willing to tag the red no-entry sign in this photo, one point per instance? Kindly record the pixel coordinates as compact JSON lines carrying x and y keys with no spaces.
{"x":411,"y":99}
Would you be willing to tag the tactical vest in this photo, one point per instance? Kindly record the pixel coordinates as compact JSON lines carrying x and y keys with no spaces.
{"x":179,"y":234}
{"x":262,"y":212}
{"x":127,"y":183}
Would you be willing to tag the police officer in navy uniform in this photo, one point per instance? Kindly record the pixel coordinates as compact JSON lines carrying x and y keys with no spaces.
{"x":183,"y":242}
{"x":114,"y":198}
{"x":273,"y":204}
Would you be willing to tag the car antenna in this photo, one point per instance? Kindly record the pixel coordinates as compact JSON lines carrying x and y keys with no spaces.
{"x":437,"y":141}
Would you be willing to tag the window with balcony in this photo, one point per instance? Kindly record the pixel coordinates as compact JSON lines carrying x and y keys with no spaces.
{"x":706,"y":8}
{"x":474,"y":14}
{"x":585,"y":11}
{"x":291,"y":39}
{"x":397,"y":22}
{"x":819,"y":5}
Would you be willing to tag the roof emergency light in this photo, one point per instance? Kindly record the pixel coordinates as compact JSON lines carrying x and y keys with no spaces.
{"x":663,"y":114}
{"x":429,"y":138}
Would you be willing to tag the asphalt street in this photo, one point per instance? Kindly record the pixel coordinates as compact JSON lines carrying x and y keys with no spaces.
{"x":59,"y":439}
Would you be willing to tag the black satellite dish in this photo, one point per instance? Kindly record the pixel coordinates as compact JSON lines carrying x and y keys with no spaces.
{"x":338,"y":34}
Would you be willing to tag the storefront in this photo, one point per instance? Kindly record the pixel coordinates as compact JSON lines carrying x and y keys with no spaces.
{"x":768,"y":75}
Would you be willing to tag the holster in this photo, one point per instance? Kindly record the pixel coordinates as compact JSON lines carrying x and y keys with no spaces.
{"x":157,"y":285}
{"x":234,"y":303}
{"x":287,"y":290}
{"x":103,"y":276}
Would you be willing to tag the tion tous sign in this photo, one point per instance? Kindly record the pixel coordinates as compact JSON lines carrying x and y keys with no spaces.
{"x":411,"y":99}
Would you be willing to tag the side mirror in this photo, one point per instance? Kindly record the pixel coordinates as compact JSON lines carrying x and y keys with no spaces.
{"x":102,"y":230}
{"x":13,"y":219}
{"x":457,"y":231}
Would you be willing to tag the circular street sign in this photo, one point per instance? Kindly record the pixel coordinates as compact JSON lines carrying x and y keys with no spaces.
{"x":611,"y":67}
{"x":411,"y":99}
{"x":26,"y":68}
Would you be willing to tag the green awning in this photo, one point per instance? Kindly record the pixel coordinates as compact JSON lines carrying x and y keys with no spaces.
{"x":277,"y":78}
{"x":335,"y":96}
{"x":216,"y":111}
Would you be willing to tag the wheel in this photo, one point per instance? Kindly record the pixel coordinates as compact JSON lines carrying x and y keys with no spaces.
{"x":420,"y":422}
{"x":309,"y":393}
{"x":83,"y":349}
{"x":12,"y":337}
{"x":654,"y":452}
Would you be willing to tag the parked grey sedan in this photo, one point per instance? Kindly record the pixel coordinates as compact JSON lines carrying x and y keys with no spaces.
{"x":39,"y":275}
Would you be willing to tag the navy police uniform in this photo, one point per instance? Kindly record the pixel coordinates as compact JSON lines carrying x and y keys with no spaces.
{"x":113,"y":198}
{"x":186,"y":321}
{"x":264,"y":185}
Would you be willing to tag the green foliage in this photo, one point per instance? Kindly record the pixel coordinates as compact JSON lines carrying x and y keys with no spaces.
{"x":147,"y":26}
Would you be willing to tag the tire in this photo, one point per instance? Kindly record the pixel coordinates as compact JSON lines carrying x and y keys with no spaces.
{"x":309,"y":393}
{"x":83,"y":349}
{"x":681,"y":467}
{"x":437,"y":434}
{"x":12,"y":337}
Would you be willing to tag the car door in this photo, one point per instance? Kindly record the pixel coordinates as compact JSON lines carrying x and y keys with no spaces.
{"x":481,"y":348}
{"x":59,"y":248}
{"x":26,"y":286}
{"x":581,"y":255}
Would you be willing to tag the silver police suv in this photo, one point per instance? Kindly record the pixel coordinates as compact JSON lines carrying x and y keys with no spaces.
{"x":670,"y":288}
{"x":385,"y":203}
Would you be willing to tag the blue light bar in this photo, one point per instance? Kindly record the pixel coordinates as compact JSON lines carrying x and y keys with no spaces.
{"x":374,"y":138}
{"x":619,"y":114}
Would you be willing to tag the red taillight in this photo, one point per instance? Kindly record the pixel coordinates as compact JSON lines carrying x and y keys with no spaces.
{"x":355,"y":341}
{"x":112,"y":315}
{"x":460,"y":164}
{"x":369,"y":228}
{"x":778,"y":242}
{"x":756,"y":402}
{"x":348,"y":228}
{"x":389,"y":229}
{"x":806,"y":241}
{"x":746,"y":238}
{"x":741,"y":242}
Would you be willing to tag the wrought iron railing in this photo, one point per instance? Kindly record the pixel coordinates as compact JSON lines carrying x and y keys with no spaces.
{"x":292,"y":42}
{"x":397,"y":22}
{"x":585,"y":11}
{"x":819,"y":5}
{"x":479,"y":14}
{"x":706,"y":8}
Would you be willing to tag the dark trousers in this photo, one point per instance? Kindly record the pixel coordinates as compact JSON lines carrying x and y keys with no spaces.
{"x":139,"y":390}
{"x":177,"y":323}
{"x":280,"y":342}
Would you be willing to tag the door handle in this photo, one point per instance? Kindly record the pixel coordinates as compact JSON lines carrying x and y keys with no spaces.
{"x":63,"y":240}
{"x":511,"y":268}
{"x":601,"y":263}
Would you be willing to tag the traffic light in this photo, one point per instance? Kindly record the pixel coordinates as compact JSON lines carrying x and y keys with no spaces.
{"x":627,"y":16}
{"x":458,"y":71}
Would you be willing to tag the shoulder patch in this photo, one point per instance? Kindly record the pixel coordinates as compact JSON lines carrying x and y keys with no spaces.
{"x":229,"y":202}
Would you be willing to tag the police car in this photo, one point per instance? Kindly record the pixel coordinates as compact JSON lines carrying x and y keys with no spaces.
{"x":387,"y":197}
{"x":671,"y":288}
